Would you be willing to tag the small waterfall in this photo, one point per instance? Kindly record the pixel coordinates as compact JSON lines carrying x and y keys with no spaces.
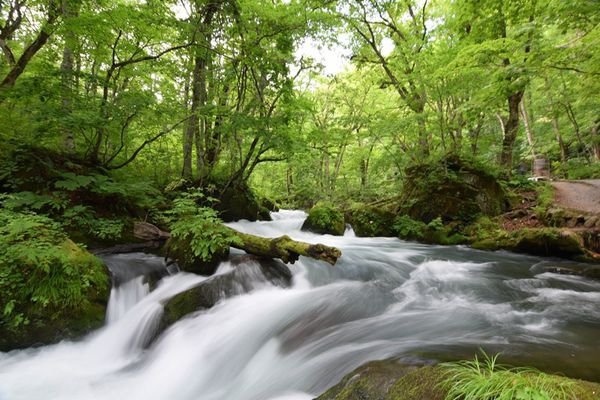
{"x":124,"y":297}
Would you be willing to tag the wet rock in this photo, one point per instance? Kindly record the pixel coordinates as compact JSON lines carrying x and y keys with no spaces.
{"x":248,"y":273}
{"x":388,"y":380}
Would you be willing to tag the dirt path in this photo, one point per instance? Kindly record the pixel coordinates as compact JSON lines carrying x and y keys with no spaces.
{"x":583,"y":195}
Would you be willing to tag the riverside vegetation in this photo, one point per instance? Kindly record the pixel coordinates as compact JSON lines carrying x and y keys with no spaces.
{"x":187,"y":114}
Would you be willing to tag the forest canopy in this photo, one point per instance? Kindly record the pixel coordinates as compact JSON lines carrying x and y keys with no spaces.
{"x":217,"y":91}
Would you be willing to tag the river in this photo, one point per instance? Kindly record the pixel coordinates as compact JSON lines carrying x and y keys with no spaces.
{"x":384,"y":298}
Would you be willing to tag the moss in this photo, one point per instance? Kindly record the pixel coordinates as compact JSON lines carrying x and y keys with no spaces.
{"x":542,"y":241}
{"x":452,"y":189}
{"x":370,"y":381}
{"x":419,"y":384}
{"x":324,"y":218}
{"x":370,"y":221}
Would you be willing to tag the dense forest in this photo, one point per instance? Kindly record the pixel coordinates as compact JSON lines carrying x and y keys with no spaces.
{"x":217,"y":91}
{"x":139,"y":122}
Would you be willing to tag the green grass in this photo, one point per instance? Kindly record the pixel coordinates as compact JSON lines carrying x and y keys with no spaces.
{"x":484,"y":379}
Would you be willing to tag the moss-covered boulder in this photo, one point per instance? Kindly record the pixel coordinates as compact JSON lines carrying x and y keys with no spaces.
{"x":371,"y":221}
{"x":452,"y":189}
{"x":51,"y":288}
{"x":537,"y":241}
{"x":391,"y":380}
{"x":324,"y":218}
{"x":388,"y":380}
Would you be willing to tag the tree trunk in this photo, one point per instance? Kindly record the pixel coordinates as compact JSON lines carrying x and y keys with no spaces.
{"x":67,"y":78}
{"x":528,"y":130}
{"x":285,"y":248}
{"x":596,"y":140}
{"x":188,"y":136}
{"x":511,"y":128}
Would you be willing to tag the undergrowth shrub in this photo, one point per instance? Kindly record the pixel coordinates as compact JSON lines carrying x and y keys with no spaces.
{"x":44,"y":276}
{"x":197,"y":234}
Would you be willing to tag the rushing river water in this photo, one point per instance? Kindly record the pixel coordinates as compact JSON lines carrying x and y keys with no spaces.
{"x":384,"y":298}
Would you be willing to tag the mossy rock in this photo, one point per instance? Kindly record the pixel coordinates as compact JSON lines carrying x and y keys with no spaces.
{"x":542,"y":242}
{"x":452,"y":189}
{"x":369,"y":221}
{"x":324,"y":218}
{"x":392,"y":380}
{"x":388,"y":380}
{"x":61,"y":318}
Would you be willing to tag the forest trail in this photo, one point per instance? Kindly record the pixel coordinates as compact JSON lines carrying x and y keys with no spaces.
{"x":583,"y":195}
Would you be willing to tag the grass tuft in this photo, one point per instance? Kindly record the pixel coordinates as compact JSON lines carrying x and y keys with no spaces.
{"x":484,"y":379}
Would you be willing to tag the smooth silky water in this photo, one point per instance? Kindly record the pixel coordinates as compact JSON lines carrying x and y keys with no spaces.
{"x":385,"y":298}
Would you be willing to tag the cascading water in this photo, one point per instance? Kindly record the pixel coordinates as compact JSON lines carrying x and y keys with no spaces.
{"x":385,"y":298}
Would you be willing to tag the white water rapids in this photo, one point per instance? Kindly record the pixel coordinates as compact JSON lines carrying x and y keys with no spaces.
{"x":384,"y":298}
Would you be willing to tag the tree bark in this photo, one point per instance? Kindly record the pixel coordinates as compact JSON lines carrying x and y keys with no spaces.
{"x":511,"y":127}
{"x":67,"y":78}
{"x":528,"y":130}
{"x":285,"y":248}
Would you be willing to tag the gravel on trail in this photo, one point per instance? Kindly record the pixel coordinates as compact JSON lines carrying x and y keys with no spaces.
{"x":583,"y":195}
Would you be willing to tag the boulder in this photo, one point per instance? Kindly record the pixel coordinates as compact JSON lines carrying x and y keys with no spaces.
{"x":371,"y":221}
{"x":452,"y":189}
{"x":388,"y":380}
{"x":324,"y":218}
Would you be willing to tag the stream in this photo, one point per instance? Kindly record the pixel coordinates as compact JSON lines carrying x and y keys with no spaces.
{"x":384,"y":298}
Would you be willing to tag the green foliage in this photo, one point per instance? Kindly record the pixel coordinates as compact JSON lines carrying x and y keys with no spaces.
{"x":545,"y":198}
{"x":407,"y":228}
{"x":485,"y":379}
{"x":196,"y":232}
{"x":576,"y":169}
{"x":43,"y":275}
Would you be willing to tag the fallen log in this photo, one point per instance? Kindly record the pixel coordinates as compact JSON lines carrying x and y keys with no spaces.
{"x":283,"y":247}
